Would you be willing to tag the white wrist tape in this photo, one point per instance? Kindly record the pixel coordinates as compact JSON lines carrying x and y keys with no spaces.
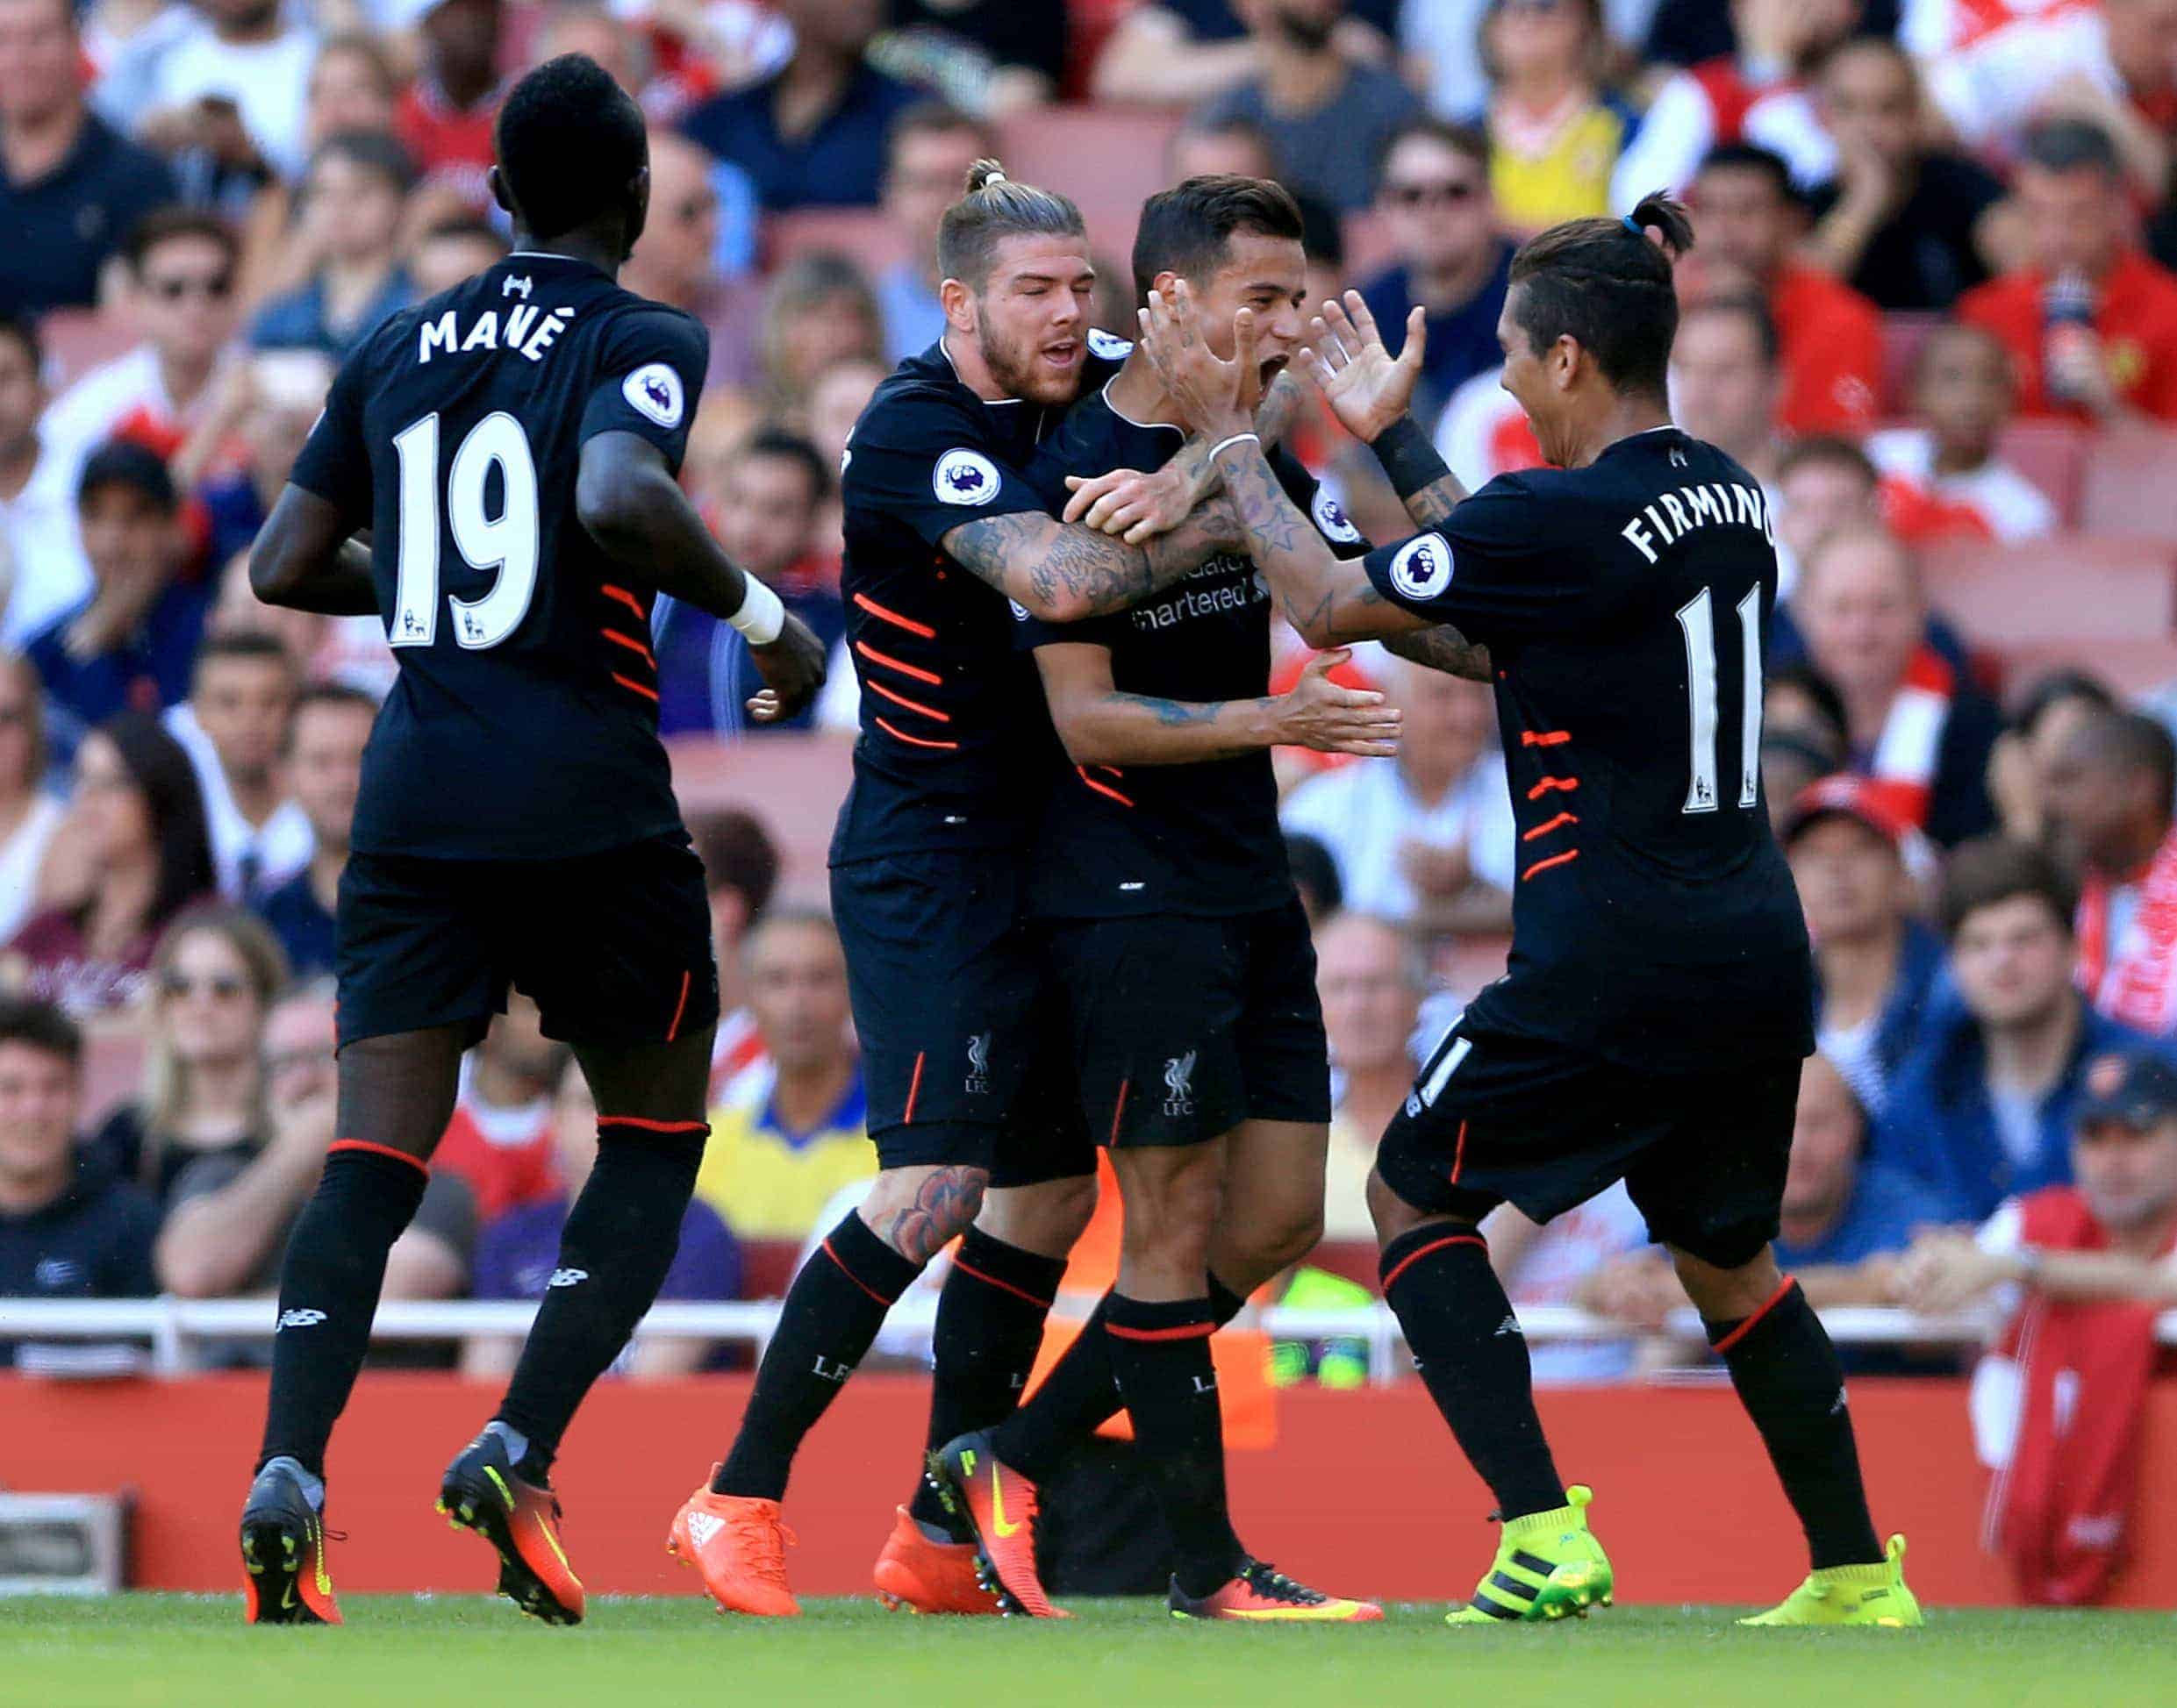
{"x":1234,"y":439}
{"x":760,"y":616}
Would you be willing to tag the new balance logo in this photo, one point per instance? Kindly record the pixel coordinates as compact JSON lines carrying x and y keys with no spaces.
{"x":831,"y":1369}
{"x":300,"y":1320}
{"x":979,"y":1064}
{"x":1511,"y":1326}
{"x":567,"y":1277}
{"x":703,"y":1526}
{"x":1180,"y":1085}
{"x":513,"y":287}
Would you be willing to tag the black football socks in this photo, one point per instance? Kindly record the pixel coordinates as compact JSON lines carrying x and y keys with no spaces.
{"x":1160,"y":1356}
{"x":1473,"y":1358}
{"x":329,"y":1286}
{"x":832,"y":1313}
{"x":1789,"y":1380}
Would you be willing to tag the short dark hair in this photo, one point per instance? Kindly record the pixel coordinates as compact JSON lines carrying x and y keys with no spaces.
{"x":1818,"y":448}
{"x":992,"y":208}
{"x":935,"y":118}
{"x":336,"y":694}
{"x":790,"y":448}
{"x":1600,"y":281}
{"x":169,"y":225}
{"x":1314,"y":872}
{"x":1750,"y":309}
{"x":1817,"y":687}
{"x":249,"y":645}
{"x":1470,"y":140}
{"x":570,"y":142}
{"x":465,"y":225}
{"x":23,"y":331}
{"x":738,"y":855}
{"x":1186,"y":229}
{"x":2070,"y":145}
{"x":1750,"y":157}
{"x":125,"y":462}
{"x":42,"y":1026}
{"x":1322,"y":228}
{"x":2133,"y":741}
{"x":1990,"y":869}
{"x":2044,"y":693}
{"x":374,"y":150}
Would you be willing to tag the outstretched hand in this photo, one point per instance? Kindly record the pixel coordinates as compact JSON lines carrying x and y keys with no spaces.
{"x":1320,"y":713}
{"x":1367,"y":390}
{"x":1215,"y":397}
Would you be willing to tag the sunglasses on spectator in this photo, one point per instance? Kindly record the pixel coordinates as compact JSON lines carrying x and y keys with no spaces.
{"x":215,"y":286}
{"x":225,"y":986}
{"x":12,"y":715}
{"x":1445,"y":194}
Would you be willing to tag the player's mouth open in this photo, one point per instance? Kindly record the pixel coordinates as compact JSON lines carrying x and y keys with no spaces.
{"x":1064,"y":353}
{"x":1273,"y":366}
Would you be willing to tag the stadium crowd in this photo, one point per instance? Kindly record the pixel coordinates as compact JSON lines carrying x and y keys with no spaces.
{"x":1928,"y":309}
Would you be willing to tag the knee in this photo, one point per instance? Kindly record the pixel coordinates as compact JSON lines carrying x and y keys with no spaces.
{"x":1392,"y":1215}
{"x":1046,"y":1217}
{"x":1173,"y":1221}
{"x":1727,"y":1295}
{"x":918,"y":1212}
{"x":1274,"y":1240}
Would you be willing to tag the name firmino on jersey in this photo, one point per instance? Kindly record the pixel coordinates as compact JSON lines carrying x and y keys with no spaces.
{"x":531,"y":330}
{"x":1691,"y":507}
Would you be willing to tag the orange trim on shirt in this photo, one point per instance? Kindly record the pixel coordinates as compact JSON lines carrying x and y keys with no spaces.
{"x":631,"y":644}
{"x":1558,"y":823}
{"x":1544,"y":865}
{"x":891,"y":663}
{"x":625,"y":598}
{"x":1103,"y":788}
{"x":912,"y":741}
{"x":646,"y":693}
{"x":1563,"y":785}
{"x":876,"y":687}
{"x":883,"y":615}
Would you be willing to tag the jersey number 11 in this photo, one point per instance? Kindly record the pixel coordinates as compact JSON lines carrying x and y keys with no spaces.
{"x":1697,"y":618}
{"x":506,"y":542}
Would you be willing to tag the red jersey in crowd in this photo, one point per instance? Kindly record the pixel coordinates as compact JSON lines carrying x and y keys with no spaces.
{"x":505,"y":1155}
{"x":1832,"y":353}
{"x":2136,"y":319}
{"x":449,"y":145}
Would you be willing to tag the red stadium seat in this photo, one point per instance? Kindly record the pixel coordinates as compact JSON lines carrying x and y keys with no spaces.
{"x":861,"y":234}
{"x":2054,"y":456}
{"x":1109,"y":160}
{"x":794,"y":783}
{"x":2130,"y":481}
{"x":114,"y":1070}
{"x":767,"y":1267}
{"x":2099,"y":587}
{"x":78,"y":340}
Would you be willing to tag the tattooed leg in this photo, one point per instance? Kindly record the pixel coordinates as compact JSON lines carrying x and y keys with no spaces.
{"x":940,"y":1205}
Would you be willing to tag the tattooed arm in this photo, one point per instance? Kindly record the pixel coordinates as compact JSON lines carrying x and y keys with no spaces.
{"x":1136,"y":507}
{"x":1100,"y":726}
{"x":1444,"y":648}
{"x":1063,"y":573}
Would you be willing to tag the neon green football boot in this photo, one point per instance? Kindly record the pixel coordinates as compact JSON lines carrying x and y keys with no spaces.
{"x":1548,"y":1565}
{"x":1851,"y":1595}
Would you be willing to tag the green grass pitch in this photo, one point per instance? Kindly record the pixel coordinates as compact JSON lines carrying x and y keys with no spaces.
{"x":146,"y":1651}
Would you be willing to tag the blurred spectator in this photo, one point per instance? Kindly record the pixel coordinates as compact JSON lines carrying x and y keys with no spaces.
{"x":1555,"y":132}
{"x":1452,"y":259}
{"x":71,"y":187}
{"x":1167,"y":52}
{"x":1725,"y":386}
{"x":2113,"y":66}
{"x":1425,"y":839}
{"x":453,"y":251}
{"x":137,"y":854}
{"x":42,"y":553}
{"x":28,"y":815}
{"x":274,"y":400}
{"x":1897,"y":220}
{"x":2043,"y":719}
{"x":234,"y":727}
{"x":1315,"y":877}
{"x":1824,"y":485}
{"x":131,"y":644}
{"x":817,"y":311}
{"x":325,"y":737}
{"x":181,"y":267}
{"x":1224,"y":147}
{"x":231,"y":1211}
{"x":740,"y":874}
{"x":2108,"y":794}
{"x":2091,"y":323}
{"x":1920,"y":732}
{"x":1846,"y":1220}
{"x":214,"y":980}
{"x":350,"y":215}
{"x":233,"y":85}
{"x":1370,"y":978}
{"x":791,"y":1130}
{"x":1441,"y":53}
{"x":1981,"y":1108}
{"x":69,"y":1229}
{"x":2083,"y":1272}
{"x":674,"y":260}
{"x":767,"y":519}
{"x":1596,"y":1255}
{"x":1875,"y":965}
{"x":500,"y":1138}
{"x":1745,"y":91}
{"x":812,"y":133}
{"x":1747,"y":220}
{"x":842,"y":390}
{"x":1944,"y":478}
{"x":1802,"y":735}
{"x":444,"y":115}
{"x":993,"y":56}
{"x":518,"y":1252}
{"x":1328,"y":118}
{"x":925,"y":171}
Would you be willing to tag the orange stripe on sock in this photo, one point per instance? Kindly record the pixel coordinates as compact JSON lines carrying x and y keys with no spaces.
{"x":415,"y":1163}
{"x":679,"y":1008}
{"x":1003,"y":1286}
{"x":648,"y":1125}
{"x":1413,"y":1257}
{"x":1746,"y":1327}
{"x":894,"y":618}
{"x":1544,"y":865}
{"x":1185,"y":1332}
{"x":855,"y":1278}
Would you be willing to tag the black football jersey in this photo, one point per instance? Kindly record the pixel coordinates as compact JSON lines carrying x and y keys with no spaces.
{"x":1199,"y":838}
{"x":1625,"y":606}
{"x":523,"y":722}
{"x":950,"y":712}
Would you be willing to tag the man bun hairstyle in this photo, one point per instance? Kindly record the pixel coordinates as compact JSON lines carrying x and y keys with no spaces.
{"x":1605,"y":283}
{"x":569,"y":140}
{"x":994,"y":208}
{"x":1186,"y":229}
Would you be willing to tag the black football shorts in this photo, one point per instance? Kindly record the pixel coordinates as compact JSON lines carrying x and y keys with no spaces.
{"x":960,"y":1050}
{"x":1495,"y":1117}
{"x":614,"y":947}
{"x":1183,"y":1026}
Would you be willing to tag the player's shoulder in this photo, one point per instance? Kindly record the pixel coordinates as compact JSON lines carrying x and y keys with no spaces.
{"x":920,"y":396}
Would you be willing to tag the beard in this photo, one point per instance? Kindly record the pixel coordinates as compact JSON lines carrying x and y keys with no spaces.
{"x":1015,"y":369}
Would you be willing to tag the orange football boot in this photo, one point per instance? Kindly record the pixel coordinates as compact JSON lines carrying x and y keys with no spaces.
{"x":1264,"y":1592}
{"x":737,"y":1546}
{"x":929,"y":1577}
{"x":998,"y":1505}
{"x":482,"y":1492}
{"x":284,"y":1576}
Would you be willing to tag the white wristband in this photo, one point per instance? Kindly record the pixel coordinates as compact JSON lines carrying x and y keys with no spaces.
{"x":760,"y":616}
{"x":1234,"y":439}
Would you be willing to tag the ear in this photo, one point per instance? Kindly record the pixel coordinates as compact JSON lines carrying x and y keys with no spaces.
{"x":1164,"y":282}
{"x":959,"y":305}
{"x":500,"y":192}
{"x":638,"y":206}
{"x":1565,"y":359}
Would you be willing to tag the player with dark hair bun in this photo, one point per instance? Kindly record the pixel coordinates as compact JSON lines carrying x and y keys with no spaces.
{"x":1660,"y":1000}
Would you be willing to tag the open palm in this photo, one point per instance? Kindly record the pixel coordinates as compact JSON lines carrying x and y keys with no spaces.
{"x":1368,"y":391}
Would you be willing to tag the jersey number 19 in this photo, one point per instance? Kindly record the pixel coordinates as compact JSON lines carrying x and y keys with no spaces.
{"x":1697,"y":618}
{"x":506,"y":542}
